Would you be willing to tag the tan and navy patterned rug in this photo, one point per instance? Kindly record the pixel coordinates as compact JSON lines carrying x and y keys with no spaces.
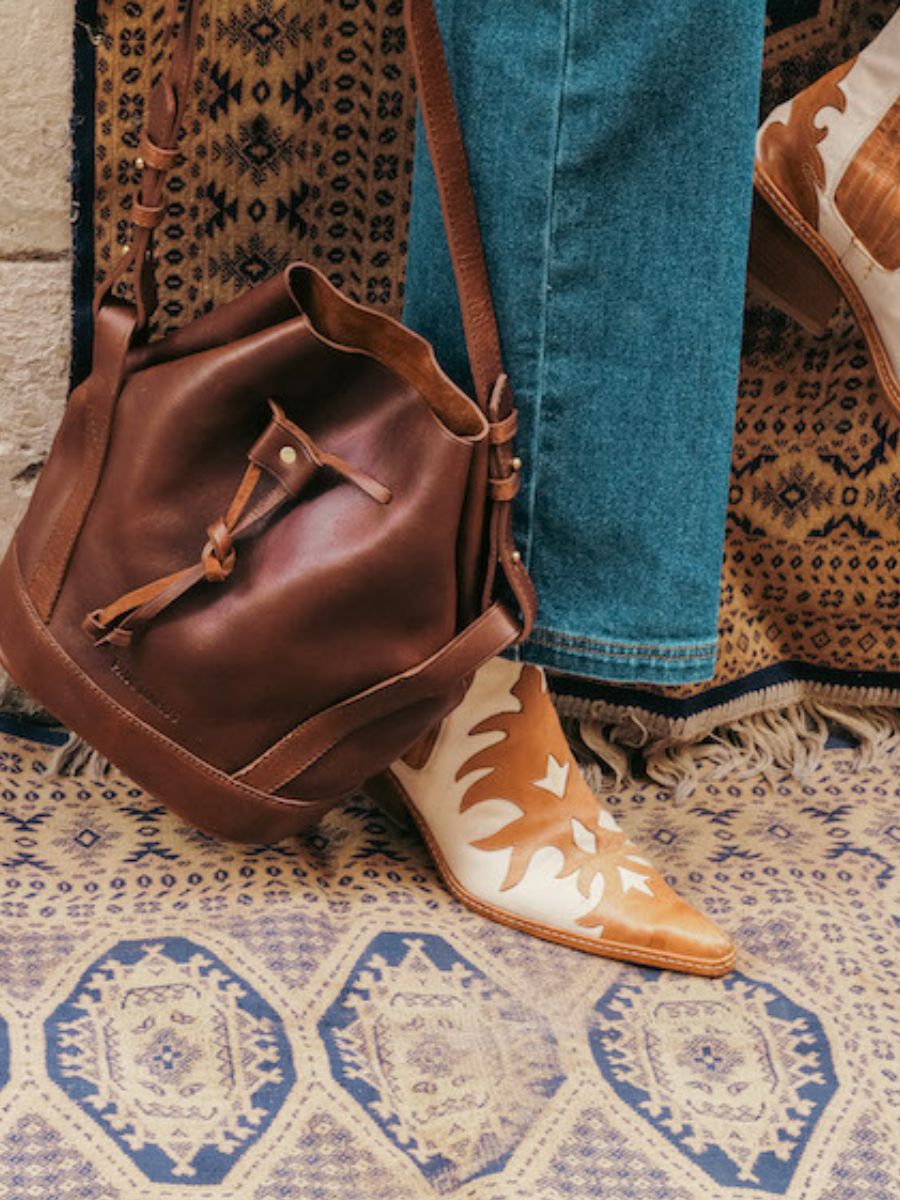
{"x":186,"y":1020}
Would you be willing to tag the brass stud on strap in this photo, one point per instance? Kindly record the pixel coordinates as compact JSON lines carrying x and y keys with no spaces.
{"x":139,"y":163}
{"x":288,"y":455}
{"x":517,"y":463}
{"x":516,"y":556}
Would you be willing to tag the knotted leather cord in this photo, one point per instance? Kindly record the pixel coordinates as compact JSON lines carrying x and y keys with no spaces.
{"x":117,"y":622}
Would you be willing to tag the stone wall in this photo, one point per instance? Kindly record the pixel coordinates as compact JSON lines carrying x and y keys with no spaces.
{"x":35,"y":225}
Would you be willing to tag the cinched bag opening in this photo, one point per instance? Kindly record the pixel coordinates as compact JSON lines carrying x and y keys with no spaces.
{"x":349,"y":326}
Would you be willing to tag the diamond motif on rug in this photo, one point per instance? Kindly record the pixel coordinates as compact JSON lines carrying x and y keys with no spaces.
{"x":448,"y":1064}
{"x":181,"y":1062}
{"x":731,"y":1071}
{"x":37,"y":1162}
{"x":262,"y":30}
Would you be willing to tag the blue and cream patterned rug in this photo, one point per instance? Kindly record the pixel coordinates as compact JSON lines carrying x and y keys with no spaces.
{"x":319,"y":1021}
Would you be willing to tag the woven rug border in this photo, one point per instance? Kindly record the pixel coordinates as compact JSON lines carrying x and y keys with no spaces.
{"x":715,"y":711}
{"x":766,"y":688}
{"x":84,"y":94}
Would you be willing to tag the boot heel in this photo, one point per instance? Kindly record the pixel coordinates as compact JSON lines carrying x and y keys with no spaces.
{"x":382,"y":790}
{"x":784,"y":271}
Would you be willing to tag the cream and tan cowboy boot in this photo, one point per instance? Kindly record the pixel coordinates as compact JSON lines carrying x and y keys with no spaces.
{"x":519,"y":837}
{"x":827,"y":209}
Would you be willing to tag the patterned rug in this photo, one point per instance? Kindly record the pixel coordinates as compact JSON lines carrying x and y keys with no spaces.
{"x":320,"y":1021}
{"x":300,"y":145}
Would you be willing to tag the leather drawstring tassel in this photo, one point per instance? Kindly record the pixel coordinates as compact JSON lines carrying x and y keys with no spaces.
{"x":288,"y":457}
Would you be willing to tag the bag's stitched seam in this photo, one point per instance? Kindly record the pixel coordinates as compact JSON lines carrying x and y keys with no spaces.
{"x":119,"y":671}
{"x":166,"y":744}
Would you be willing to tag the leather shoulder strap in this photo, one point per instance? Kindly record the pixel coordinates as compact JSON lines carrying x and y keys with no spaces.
{"x":166,"y":110}
{"x":488,"y":635}
{"x":451,"y":168}
{"x":159,"y":149}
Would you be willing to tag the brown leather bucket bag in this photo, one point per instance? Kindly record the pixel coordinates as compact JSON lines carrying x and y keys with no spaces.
{"x":268,"y":549}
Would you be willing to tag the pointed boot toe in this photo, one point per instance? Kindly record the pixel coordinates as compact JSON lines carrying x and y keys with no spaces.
{"x":670,"y":933}
{"x":700,"y":945}
{"x":519,"y":837}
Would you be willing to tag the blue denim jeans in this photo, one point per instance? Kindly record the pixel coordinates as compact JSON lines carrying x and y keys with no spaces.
{"x":611,"y":148}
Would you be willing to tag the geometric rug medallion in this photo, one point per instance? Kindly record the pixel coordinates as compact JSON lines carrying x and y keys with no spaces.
{"x":174,"y":1056}
{"x":736,"y":1075}
{"x":424,"y":1041}
{"x":319,"y":1020}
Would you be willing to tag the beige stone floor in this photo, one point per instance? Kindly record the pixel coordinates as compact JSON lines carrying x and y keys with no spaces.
{"x":35,"y":225}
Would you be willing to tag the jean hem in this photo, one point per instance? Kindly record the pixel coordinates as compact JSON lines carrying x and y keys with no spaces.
{"x":621,"y":662}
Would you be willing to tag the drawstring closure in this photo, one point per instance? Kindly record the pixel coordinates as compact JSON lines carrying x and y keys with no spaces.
{"x":288,"y":457}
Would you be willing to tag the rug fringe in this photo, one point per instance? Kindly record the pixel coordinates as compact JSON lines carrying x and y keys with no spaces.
{"x":14,"y":700}
{"x":787,"y":739}
{"x":765,"y":744}
{"x":607,"y":762}
{"x":75,"y":759}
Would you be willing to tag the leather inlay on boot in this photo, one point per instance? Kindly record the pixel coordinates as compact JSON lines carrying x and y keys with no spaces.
{"x":520,"y":837}
{"x":789,"y":143}
{"x":827,"y":208}
{"x":868,"y":197}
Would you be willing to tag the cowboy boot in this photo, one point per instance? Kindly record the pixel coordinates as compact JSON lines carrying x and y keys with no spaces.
{"x":827,"y":202}
{"x":519,"y":837}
